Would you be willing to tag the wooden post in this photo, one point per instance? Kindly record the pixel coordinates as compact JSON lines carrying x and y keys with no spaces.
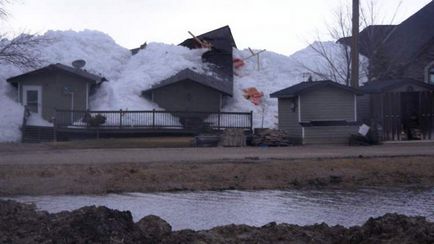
{"x":355,"y":46}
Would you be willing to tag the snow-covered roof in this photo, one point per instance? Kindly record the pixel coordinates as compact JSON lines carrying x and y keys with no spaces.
{"x":223,"y":86}
{"x":310,"y":85}
{"x":78,"y":72}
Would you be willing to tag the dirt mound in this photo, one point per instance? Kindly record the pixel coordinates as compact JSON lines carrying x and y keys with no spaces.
{"x":21,"y":223}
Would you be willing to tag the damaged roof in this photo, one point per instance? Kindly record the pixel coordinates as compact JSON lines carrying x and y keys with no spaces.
{"x":60,"y":67}
{"x":220,"y":38}
{"x":222,"y":86}
{"x":299,"y":88}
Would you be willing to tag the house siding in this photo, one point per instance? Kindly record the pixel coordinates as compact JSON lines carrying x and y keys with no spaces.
{"x":328,"y":134}
{"x":187,"y":95}
{"x":363,"y":108}
{"x":288,"y":120}
{"x":327,"y":104}
{"x":53,"y":96}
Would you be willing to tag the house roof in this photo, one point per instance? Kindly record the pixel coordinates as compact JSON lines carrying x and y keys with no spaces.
{"x":60,"y":67}
{"x":299,"y":88}
{"x":381,"y":86}
{"x":223,"y":86}
{"x":412,"y":34}
{"x":371,"y":37}
{"x":220,"y":38}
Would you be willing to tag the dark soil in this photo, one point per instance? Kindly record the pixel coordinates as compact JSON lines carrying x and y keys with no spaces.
{"x":20,"y":223}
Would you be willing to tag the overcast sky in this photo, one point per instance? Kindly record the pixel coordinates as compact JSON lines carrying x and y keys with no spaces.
{"x":283,"y":26}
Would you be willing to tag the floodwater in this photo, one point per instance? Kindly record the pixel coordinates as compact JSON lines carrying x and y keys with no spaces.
{"x":204,"y":210}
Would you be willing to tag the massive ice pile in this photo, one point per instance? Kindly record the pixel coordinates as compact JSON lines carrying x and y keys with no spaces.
{"x":128,"y":75}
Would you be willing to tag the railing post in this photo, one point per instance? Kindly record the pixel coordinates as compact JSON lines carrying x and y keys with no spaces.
{"x":218,"y":121}
{"x":251,"y":121}
{"x":153,"y":118}
{"x":120,"y":118}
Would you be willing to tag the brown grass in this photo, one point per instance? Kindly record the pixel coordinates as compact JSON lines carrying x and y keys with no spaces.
{"x":215,"y":175}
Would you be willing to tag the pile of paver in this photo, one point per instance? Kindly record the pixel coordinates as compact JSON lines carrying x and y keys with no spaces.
{"x":271,"y":137}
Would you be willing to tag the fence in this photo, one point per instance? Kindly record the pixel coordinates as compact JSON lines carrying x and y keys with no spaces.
{"x":152,"y":119}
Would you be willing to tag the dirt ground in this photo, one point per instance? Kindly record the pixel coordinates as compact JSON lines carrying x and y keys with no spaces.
{"x":218,"y":175}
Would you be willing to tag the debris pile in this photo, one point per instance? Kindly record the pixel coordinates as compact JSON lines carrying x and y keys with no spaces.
{"x":270,"y":137}
{"x":20,"y":223}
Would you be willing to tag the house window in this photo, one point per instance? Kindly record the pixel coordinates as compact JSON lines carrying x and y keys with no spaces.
{"x":32,"y":101}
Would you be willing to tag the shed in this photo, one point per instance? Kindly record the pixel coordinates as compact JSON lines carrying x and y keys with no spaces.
{"x":55,"y":86}
{"x":190,"y":91}
{"x":400,"y":107}
{"x":316,"y":112}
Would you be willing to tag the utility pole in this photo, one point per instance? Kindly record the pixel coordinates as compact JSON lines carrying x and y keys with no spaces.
{"x":355,"y":45}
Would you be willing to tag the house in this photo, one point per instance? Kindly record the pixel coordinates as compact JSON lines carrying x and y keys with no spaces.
{"x":56,"y":86}
{"x":401,"y":51}
{"x":400,"y":107}
{"x":318,"y":112}
{"x":189,"y":90}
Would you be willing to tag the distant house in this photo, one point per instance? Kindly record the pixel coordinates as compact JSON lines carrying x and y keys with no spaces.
{"x":318,"y":112}
{"x":401,"y":51}
{"x":189,"y":90}
{"x":56,"y":86}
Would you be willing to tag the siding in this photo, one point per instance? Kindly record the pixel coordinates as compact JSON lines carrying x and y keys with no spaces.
{"x":328,"y":134}
{"x":327,"y":104}
{"x":187,"y":96}
{"x":288,"y":120}
{"x":363,"y":108}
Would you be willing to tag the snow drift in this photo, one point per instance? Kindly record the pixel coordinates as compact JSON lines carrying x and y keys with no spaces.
{"x":128,"y":75}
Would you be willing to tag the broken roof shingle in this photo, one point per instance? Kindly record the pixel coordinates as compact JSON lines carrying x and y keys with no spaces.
{"x":220,"y":38}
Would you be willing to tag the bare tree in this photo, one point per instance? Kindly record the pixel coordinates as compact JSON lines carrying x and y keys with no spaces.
{"x":19,"y":50}
{"x":337,"y":66}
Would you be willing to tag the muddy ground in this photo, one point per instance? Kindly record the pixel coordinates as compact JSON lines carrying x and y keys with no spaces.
{"x":245,"y":174}
{"x":20,"y":223}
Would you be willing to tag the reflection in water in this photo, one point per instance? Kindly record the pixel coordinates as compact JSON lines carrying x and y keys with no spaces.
{"x":204,"y":210}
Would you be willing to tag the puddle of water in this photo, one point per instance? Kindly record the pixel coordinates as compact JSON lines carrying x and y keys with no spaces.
{"x":204,"y":210}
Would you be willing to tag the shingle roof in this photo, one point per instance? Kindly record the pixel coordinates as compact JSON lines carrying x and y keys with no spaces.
{"x":78,"y":72}
{"x":371,"y":38}
{"x":310,"y":85}
{"x":223,"y":86}
{"x":412,"y":34}
{"x":381,"y":86}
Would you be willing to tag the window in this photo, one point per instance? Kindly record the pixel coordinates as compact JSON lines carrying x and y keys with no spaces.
{"x":32,"y":100}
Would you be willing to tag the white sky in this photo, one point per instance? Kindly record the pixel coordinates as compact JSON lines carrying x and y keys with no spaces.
{"x":283,"y":26}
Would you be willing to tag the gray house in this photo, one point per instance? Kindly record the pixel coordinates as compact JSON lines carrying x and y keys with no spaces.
{"x":55,"y":86}
{"x":195,"y":92}
{"x":318,"y":112}
{"x":190,"y":91}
